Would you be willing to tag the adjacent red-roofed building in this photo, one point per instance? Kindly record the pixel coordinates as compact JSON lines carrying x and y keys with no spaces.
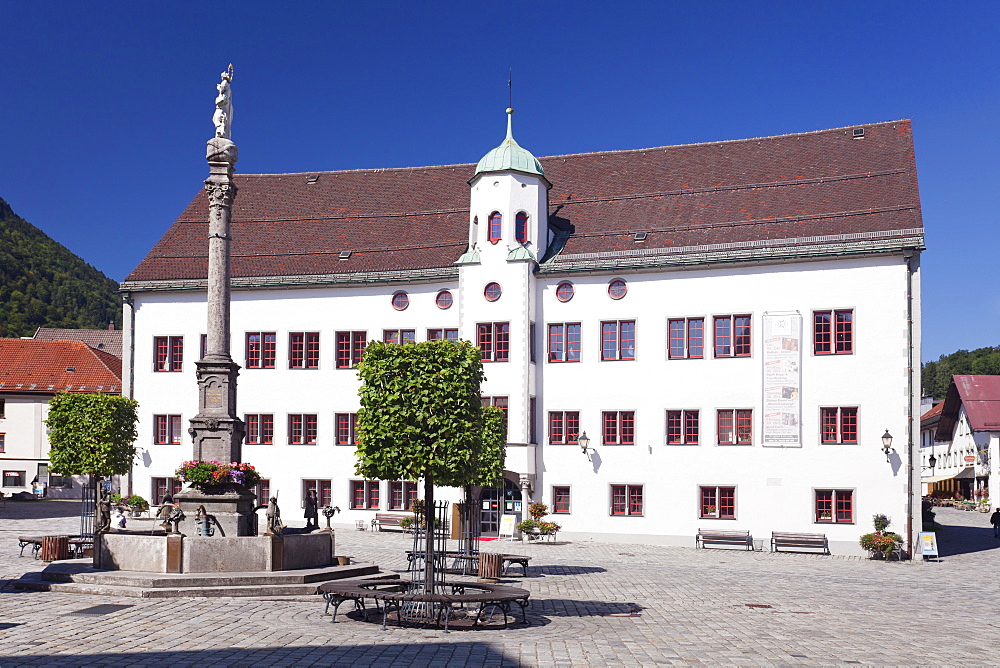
{"x":734,"y":325}
{"x":966,"y":440}
{"x":31,"y":373}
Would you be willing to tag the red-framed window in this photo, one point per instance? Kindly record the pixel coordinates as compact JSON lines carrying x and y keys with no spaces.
{"x":492,"y":291}
{"x":718,"y":503}
{"x":734,"y":427}
{"x":260,"y":428}
{"x":834,"y":506}
{"x":160,"y":487}
{"x":564,"y":427}
{"x":442,"y":335}
{"x":263,"y":490}
{"x":493,"y":339}
{"x":732,"y":335}
{"x":261,"y":350}
{"x":346,"y":429}
{"x":565,"y":291}
{"x":496,"y":227}
{"x":521,"y":227}
{"x":617,"y":288}
{"x":839,"y":425}
{"x":303,"y":350}
{"x":302,"y":429}
{"x":560,"y":500}
{"x":498,"y":402}
{"x":532,"y":351}
{"x":626,"y":499}
{"x":532,"y":420}
{"x":365,"y":494}
{"x":833,"y":332}
{"x":618,"y":427}
{"x":564,"y":342}
{"x":400,"y":300}
{"x":682,"y":427}
{"x":321,"y":488}
{"x":686,"y":338}
{"x":166,"y":429}
{"x":401,"y":336}
{"x":618,"y":340}
{"x":444,"y":300}
{"x":168,"y":353}
{"x":350,"y":348}
{"x":401,"y":494}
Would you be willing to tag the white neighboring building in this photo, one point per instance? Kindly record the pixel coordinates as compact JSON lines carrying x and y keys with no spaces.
{"x":31,"y":372}
{"x":966,"y":440}
{"x":728,"y":322}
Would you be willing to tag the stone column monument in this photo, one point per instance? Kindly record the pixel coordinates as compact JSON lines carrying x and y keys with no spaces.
{"x":217,"y":430}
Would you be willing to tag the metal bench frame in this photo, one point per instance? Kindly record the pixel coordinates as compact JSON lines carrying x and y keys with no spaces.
{"x":715,"y":537}
{"x":816,"y":541}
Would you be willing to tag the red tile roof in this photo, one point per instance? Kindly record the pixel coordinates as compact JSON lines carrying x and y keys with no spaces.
{"x":790,"y":190}
{"x":980,"y":395}
{"x":933,"y":412}
{"x":42,"y":367}
{"x":108,"y":340}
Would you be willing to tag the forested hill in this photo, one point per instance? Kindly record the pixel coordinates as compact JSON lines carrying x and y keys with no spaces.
{"x":937,"y":375}
{"x":43,"y":284}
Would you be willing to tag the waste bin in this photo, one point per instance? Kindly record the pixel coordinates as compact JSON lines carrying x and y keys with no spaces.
{"x":55,"y":548}
{"x":490,"y":566}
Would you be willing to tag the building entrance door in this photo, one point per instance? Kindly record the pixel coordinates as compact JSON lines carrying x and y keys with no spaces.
{"x":495,"y":502}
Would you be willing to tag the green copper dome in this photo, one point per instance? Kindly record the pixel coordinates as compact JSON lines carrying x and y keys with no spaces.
{"x":509,"y":156}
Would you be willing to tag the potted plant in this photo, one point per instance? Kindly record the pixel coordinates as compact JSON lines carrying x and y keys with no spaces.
{"x":136,"y":504}
{"x":536,"y":527}
{"x":881,"y":541}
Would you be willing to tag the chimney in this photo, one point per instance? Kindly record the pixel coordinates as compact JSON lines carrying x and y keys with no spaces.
{"x":111,"y":326}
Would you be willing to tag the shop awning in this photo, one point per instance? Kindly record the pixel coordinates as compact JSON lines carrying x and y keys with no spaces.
{"x":968,"y":472}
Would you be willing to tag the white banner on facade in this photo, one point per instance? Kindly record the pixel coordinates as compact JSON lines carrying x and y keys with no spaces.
{"x":782,"y":424}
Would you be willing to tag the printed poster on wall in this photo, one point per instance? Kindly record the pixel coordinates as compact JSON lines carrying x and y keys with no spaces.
{"x":782,"y":423}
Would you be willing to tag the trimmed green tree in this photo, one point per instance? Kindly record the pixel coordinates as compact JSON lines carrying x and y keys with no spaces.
{"x":421,"y":417}
{"x":91,"y":434}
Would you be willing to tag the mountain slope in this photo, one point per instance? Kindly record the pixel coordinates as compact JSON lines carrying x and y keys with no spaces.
{"x":43,"y":284}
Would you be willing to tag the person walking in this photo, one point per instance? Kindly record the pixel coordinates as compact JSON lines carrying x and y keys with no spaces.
{"x":995,"y":521}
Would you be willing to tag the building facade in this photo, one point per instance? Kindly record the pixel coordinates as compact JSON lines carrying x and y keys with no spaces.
{"x":31,"y":372}
{"x":733,"y":325}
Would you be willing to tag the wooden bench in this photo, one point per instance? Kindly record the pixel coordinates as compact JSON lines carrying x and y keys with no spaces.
{"x":799,"y":541}
{"x":384,"y":520}
{"x":470,"y":561}
{"x":712,"y":537}
{"x":391,"y":592}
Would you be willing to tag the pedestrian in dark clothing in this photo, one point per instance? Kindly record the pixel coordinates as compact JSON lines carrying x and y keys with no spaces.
{"x":995,"y":521}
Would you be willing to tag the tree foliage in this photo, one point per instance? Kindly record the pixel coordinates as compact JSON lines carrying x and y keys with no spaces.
{"x":91,"y":433}
{"x":43,"y":284}
{"x":488,"y":470}
{"x":421,"y":415}
{"x":936,"y":376}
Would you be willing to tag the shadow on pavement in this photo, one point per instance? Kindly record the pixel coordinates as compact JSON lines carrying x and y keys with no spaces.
{"x":477,"y":653}
{"x":955,"y":539}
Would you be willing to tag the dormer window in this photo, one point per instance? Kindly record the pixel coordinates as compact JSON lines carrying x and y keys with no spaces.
{"x":521,"y":227}
{"x":496,"y":223}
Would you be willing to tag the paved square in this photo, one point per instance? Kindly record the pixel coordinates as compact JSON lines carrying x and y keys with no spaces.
{"x":592,"y":604}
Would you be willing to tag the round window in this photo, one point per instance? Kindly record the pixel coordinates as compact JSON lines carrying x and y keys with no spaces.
{"x":565,"y":291}
{"x":444,"y":299}
{"x":617,"y":288}
{"x":400,"y":301}
{"x":492,"y":292}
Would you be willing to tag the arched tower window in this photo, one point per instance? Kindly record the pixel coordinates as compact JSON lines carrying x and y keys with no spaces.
{"x":496,"y":223}
{"x":521,"y":227}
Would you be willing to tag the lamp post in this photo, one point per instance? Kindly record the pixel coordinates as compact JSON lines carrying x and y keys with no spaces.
{"x":886,"y":444}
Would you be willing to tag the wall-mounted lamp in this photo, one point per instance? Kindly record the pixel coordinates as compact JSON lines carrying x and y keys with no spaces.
{"x":886,"y":444}
{"x":932,"y":460}
{"x":584,"y":444}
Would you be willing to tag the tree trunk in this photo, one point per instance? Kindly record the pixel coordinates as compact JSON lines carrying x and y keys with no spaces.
{"x":429,"y":534}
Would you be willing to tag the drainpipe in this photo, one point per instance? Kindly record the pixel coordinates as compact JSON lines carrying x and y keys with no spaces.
{"x":127,"y":300}
{"x":908,"y":255}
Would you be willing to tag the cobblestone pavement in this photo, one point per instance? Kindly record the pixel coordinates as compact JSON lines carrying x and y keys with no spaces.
{"x":592,"y":604}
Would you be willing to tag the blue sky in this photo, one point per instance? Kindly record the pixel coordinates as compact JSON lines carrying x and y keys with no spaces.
{"x":105,"y":107}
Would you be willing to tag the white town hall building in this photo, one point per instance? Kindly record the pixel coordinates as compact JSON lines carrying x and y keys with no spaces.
{"x":735,"y":325}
